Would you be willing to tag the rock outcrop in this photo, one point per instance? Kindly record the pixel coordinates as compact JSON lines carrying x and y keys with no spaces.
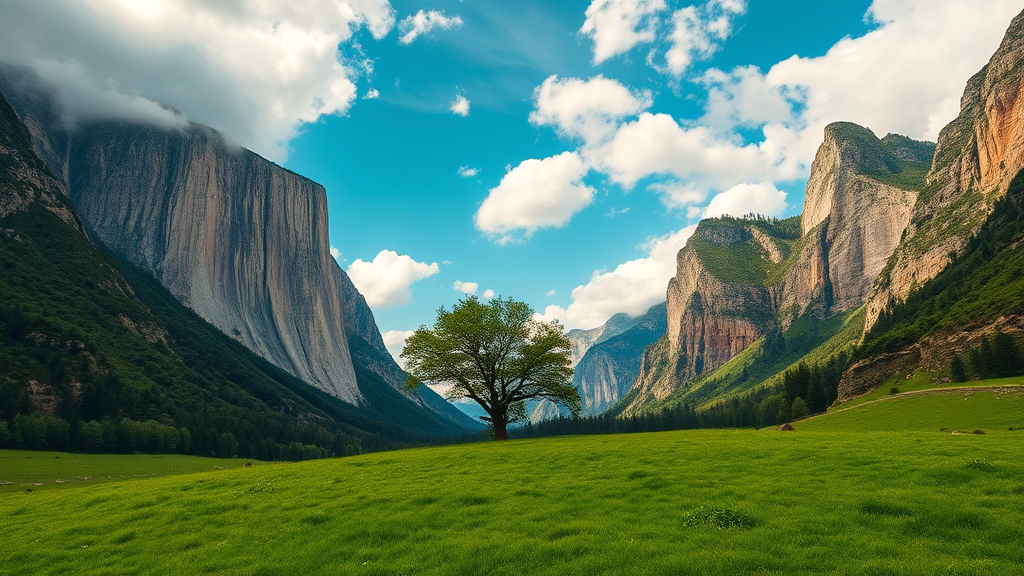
{"x":240,"y":240}
{"x":976,"y":157}
{"x":738,"y":279}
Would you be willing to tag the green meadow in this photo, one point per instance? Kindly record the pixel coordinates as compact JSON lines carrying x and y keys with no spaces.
{"x":879,"y":489}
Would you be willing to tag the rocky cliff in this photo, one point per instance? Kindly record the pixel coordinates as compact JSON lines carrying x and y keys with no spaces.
{"x":607,"y":371}
{"x":977,"y":156}
{"x":583,"y":340}
{"x":238,"y":239}
{"x":738,"y":279}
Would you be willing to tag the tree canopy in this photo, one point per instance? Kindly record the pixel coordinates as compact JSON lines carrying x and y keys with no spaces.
{"x":496,"y":354}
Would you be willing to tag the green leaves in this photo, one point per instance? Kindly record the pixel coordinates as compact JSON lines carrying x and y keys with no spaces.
{"x":496,"y":354}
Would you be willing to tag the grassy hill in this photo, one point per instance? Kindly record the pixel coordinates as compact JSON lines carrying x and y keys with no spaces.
{"x":844,"y":494}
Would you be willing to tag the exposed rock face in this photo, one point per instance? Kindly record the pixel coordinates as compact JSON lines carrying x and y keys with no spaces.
{"x":608,"y":370}
{"x":976,"y":157}
{"x":862,"y":219}
{"x":594,"y":392}
{"x":583,"y":340}
{"x":238,"y":239}
{"x":737,"y":279}
{"x":233,"y":236}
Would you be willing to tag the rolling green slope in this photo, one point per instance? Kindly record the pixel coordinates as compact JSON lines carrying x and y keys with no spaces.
{"x":851,"y":501}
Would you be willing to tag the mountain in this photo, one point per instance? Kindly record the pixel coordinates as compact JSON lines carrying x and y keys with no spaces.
{"x":236,"y":238}
{"x":96,"y":355}
{"x":905,"y":258}
{"x":954,"y":282}
{"x":583,"y":340}
{"x":608,"y":369}
{"x":600,"y":379}
{"x":790,"y":285}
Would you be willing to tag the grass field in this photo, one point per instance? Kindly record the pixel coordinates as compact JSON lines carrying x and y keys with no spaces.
{"x":852,"y":496}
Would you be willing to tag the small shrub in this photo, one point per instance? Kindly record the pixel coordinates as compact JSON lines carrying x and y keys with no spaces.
{"x":979,"y":464}
{"x":894,"y":390}
{"x":721,"y":518}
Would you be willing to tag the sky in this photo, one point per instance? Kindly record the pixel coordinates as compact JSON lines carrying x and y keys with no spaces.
{"x":557,"y":152}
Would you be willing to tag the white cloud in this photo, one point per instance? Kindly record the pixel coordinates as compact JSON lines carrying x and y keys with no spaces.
{"x":468,"y":172}
{"x":394,"y":341}
{"x":586,"y":109}
{"x":412,"y":27}
{"x":460,"y":106}
{"x":632,"y":287}
{"x":744,"y":199}
{"x":371,"y":94}
{"x":488,"y":294}
{"x":616,"y":26}
{"x":385,"y":281}
{"x":656,"y":144}
{"x":698,"y":30}
{"x":335,"y":253}
{"x":897,"y":78}
{"x":536,"y":194}
{"x":678,"y":194}
{"x":467,"y":287}
{"x":550,"y":293}
{"x":255,"y":70}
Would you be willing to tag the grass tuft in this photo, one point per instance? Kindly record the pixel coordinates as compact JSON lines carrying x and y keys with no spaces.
{"x":715,"y":517}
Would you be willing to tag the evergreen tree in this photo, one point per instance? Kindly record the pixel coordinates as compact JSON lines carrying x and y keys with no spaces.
{"x":799,"y":409}
{"x":957,"y":370}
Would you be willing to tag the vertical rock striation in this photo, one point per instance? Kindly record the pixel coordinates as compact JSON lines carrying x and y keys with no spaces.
{"x":738,"y":279}
{"x":976,"y":157}
{"x":240,"y":240}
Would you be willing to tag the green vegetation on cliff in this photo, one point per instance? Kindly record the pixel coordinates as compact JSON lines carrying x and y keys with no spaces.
{"x":984,"y":282}
{"x":95,"y":355}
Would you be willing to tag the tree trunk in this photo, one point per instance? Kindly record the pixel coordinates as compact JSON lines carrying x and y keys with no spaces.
{"x":500,"y":428}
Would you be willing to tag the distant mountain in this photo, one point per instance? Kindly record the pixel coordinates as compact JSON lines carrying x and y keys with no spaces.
{"x":583,"y":340}
{"x":607,"y":371}
{"x":96,"y":355}
{"x":236,"y":238}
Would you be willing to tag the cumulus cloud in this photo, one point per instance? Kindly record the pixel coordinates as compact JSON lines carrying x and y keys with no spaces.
{"x":460,"y":107}
{"x":467,"y":287}
{"x":138,"y":60}
{"x":744,"y":199}
{"x":586,"y":109}
{"x":468,"y":171}
{"x":616,"y":26}
{"x":536,"y":194}
{"x":632,"y":287}
{"x":386,"y":280}
{"x":657,"y":144}
{"x":896,"y":78}
{"x":394,"y":341}
{"x":423,"y":22}
{"x":335,"y":253}
{"x":488,"y":294}
{"x":371,"y":94}
{"x":697,"y":32}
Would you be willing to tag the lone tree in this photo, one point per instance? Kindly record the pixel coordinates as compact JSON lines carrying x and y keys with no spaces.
{"x":495,"y":354}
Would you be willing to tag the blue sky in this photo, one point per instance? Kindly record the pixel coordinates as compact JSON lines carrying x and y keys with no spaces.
{"x":598,"y":131}
{"x":390,"y":165}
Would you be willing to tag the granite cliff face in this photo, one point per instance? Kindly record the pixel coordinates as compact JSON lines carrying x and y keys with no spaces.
{"x":583,"y":340}
{"x":606,"y":373}
{"x":977,"y":156}
{"x":238,"y":239}
{"x":738,"y":279}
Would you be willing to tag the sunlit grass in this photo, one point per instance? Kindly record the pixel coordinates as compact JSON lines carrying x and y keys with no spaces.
{"x":692,"y":502}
